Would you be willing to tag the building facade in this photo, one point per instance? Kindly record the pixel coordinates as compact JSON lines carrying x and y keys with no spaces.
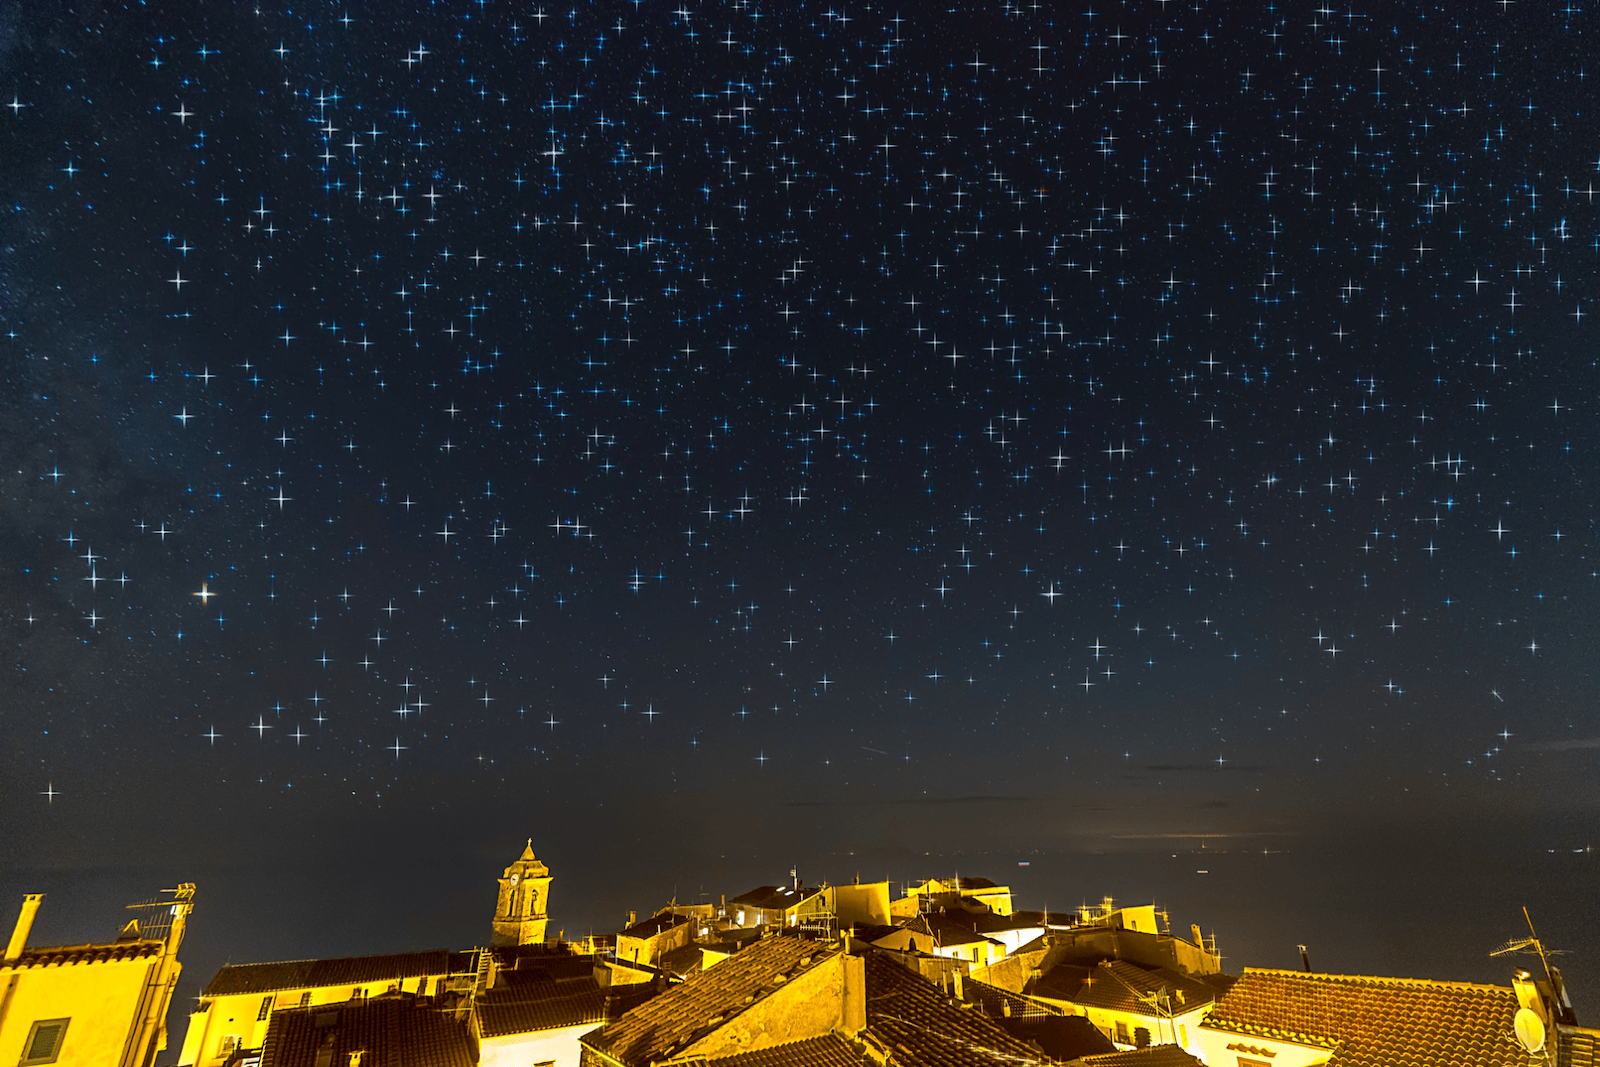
{"x":95,"y":1005}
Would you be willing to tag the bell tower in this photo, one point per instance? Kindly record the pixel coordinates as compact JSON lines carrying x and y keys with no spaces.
{"x":522,"y":910}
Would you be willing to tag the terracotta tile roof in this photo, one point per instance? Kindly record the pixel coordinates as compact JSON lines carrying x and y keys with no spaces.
{"x":1376,"y":1022}
{"x":1154,"y":1056}
{"x":1578,"y":1048}
{"x":1116,"y":985}
{"x":951,"y":932}
{"x":826,"y":1051}
{"x":71,"y":955}
{"x":655,"y":924}
{"x":530,"y":999}
{"x":702,"y":1003}
{"x":500,"y":1015}
{"x":1062,"y":1037}
{"x":1000,"y":1003}
{"x":402,"y":1031}
{"x":352,"y":970}
{"x":683,"y":960}
{"x":920,"y":1027}
{"x":773,"y":897}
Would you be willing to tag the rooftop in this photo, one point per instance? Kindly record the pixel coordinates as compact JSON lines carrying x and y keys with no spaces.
{"x":684,"y":1013}
{"x":398,"y":1031}
{"x":303,"y":974}
{"x":1117,"y":985}
{"x":654,"y":925}
{"x":71,"y":955}
{"x":921,"y":1027}
{"x":773,"y":897}
{"x":1376,"y":1022}
{"x":825,"y":1051}
{"x":1155,"y":1056}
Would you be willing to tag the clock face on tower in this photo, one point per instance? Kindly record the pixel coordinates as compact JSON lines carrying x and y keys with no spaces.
{"x":515,"y":878}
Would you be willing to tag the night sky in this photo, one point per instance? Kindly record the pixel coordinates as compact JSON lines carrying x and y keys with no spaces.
{"x":1154,"y":443}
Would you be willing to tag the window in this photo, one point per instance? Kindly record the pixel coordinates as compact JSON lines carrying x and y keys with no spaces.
{"x":266,"y":1009}
{"x":1122,"y":1033}
{"x":227,"y":1043}
{"x":305,"y":998}
{"x":1183,"y":1035}
{"x":44,"y":1041}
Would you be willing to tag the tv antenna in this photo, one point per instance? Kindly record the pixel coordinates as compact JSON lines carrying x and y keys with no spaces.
{"x":1524,"y":944}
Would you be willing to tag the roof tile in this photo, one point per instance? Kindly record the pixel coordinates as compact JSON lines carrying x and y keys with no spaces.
{"x":399,"y":1031}
{"x":706,"y":1000}
{"x":302,"y":974}
{"x":1376,"y":1022}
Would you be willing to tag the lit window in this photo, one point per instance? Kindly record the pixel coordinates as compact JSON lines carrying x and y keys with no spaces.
{"x":44,"y":1042}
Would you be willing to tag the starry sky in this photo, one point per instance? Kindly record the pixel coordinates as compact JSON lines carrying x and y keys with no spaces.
{"x":1142,"y":448}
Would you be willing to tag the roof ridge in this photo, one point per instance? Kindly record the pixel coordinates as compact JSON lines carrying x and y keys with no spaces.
{"x":359,"y":956}
{"x":1371,"y":979}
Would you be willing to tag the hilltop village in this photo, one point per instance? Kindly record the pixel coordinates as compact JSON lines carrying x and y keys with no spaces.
{"x":789,"y":975}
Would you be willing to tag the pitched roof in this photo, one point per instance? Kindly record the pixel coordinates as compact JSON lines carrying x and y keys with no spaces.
{"x":69,"y":955}
{"x":683,"y":960}
{"x":922,"y":1028}
{"x":302,"y":974}
{"x":400,"y":1031}
{"x":951,"y":933}
{"x":500,"y":1015}
{"x":826,"y":1051}
{"x":1375,"y":1022}
{"x":555,"y":994}
{"x":1117,"y":985}
{"x":1000,"y":1003}
{"x":1062,"y":1037}
{"x":683,"y":1013}
{"x":773,"y":897}
{"x":1154,"y":1056}
{"x":653,"y":925}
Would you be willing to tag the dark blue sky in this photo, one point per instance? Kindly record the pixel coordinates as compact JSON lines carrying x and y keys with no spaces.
{"x":711,"y":438}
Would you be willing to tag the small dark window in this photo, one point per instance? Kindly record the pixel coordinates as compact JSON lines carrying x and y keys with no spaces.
{"x":305,"y":998}
{"x":44,"y":1042}
{"x":1122,"y":1033}
{"x":266,"y":1009}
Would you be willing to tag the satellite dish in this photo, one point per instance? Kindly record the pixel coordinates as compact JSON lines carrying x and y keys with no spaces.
{"x":1529,"y":1029}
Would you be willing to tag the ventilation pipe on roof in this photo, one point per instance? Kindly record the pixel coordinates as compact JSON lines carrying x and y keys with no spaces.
{"x":1305,"y":958}
{"x":19,"y":935}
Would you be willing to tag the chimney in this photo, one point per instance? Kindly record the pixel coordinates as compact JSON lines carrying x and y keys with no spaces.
{"x":633,"y":917}
{"x":1305,"y":957}
{"x":1528,"y":995}
{"x":853,"y":1001}
{"x":19,"y":936}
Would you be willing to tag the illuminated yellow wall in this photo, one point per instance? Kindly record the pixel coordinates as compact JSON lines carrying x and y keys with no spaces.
{"x":237,"y":1016}
{"x":101,"y":999}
